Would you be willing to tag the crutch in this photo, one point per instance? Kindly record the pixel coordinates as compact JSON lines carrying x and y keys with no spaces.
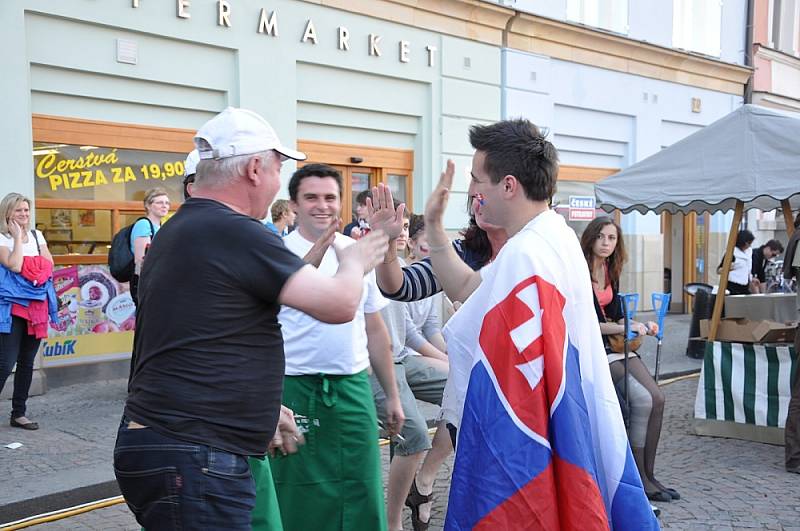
{"x":629,"y":302}
{"x":660,"y":306}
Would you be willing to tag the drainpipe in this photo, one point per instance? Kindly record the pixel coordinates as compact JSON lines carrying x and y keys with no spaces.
{"x":503,"y":67}
{"x":748,"y":50}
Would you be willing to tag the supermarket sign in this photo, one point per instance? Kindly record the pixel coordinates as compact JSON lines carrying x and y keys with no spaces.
{"x":581,"y":207}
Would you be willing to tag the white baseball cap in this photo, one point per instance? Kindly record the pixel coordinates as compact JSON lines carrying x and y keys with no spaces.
{"x":190,"y":166}
{"x":239,"y":132}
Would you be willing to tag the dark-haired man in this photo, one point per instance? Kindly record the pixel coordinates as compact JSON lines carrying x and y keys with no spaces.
{"x":334,"y":481}
{"x":762,"y":255}
{"x":540,"y":435}
{"x":791,"y":269}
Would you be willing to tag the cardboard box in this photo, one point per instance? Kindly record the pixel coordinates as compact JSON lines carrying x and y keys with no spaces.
{"x":741,"y":330}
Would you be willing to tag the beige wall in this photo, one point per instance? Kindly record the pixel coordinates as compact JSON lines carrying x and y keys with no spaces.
{"x":644,"y":272}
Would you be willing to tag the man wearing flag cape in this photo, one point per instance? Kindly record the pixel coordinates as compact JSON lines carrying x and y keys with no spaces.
{"x":541,"y":442}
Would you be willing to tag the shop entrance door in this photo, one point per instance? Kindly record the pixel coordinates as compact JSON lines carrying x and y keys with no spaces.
{"x":363,"y":167}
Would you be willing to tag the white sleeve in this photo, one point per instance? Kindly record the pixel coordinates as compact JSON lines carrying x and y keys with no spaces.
{"x":374,"y":302}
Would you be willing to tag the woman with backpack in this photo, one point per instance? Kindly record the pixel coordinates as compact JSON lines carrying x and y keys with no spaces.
{"x":18,"y":343}
{"x":156,"y":206}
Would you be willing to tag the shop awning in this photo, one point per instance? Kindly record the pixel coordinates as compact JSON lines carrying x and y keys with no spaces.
{"x":751,"y":155}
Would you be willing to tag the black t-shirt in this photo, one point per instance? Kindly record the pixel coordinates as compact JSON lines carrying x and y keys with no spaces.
{"x":208,"y":362}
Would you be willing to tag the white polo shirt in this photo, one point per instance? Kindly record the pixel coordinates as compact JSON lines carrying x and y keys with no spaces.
{"x":313,"y":347}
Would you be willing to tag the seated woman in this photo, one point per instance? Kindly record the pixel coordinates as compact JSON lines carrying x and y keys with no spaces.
{"x":604,"y":250}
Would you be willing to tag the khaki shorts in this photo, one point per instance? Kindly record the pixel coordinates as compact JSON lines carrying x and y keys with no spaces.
{"x":416,"y":380}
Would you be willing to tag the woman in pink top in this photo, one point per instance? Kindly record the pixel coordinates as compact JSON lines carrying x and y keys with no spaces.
{"x":604,"y":249}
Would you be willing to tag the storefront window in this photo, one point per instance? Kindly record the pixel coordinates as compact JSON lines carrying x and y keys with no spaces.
{"x":88,"y":172}
{"x":114,"y":180}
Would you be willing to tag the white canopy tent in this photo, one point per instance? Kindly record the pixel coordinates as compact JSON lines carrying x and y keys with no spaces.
{"x":747,"y":159}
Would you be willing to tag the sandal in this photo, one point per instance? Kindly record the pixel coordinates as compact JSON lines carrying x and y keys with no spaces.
{"x":413,"y":501}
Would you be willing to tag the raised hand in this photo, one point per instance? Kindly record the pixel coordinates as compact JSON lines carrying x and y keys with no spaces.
{"x":368,"y":251}
{"x":317,"y":252}
{"x":381,"y":214}
{"x":15,"y":229}
{"x":437,"y":202}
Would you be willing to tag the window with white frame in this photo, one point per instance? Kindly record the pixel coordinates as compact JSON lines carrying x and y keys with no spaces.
{"x":785,"y":25}
{"x":697,"y":26}
{"x":611,"y":15}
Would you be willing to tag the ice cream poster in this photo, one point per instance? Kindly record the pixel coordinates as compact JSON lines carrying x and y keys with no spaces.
{"x":92,"y":302}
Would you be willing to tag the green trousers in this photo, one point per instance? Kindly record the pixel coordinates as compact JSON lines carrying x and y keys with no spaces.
{"x":334,"y":481}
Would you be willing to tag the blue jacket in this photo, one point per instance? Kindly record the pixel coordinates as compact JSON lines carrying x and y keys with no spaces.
{"x":16,"y":289}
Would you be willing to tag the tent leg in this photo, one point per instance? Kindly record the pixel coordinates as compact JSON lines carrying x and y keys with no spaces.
{"x":787,"y":217}
{"x":726,"y":268}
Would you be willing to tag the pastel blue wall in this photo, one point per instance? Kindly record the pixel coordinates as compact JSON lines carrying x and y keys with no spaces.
{"x":62,"y":62}
{"x":651,"y":21}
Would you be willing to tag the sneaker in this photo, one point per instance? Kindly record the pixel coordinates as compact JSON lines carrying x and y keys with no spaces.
{"x":656,"y":510}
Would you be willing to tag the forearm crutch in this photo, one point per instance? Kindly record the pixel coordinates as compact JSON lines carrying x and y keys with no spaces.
{"x":660,"y":306}
{"x":629,"y":302}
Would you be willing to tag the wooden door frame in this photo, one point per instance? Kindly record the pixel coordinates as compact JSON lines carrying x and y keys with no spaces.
{"x":383,"y":161}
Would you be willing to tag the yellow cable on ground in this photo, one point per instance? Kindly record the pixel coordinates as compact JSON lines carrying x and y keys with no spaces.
{"x":62,"y":513}
{"x":679,"y":378}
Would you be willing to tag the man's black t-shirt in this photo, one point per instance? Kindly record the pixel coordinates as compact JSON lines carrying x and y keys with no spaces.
{"x":208,"y":360}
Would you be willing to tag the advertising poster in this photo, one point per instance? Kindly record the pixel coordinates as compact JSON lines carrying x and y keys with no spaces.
{"x":97,"y":318}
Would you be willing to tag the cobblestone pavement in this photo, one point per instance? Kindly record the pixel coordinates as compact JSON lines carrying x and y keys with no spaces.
{"x":725,"y":484}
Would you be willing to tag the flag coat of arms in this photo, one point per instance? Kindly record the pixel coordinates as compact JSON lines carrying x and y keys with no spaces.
{"x":541,"y":440}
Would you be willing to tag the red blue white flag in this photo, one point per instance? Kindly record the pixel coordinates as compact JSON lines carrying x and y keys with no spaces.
{"x":541,"y":440}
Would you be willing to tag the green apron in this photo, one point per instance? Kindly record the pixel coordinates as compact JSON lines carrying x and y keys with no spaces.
{"x":266,"y":515}
{"x":334,"y":481}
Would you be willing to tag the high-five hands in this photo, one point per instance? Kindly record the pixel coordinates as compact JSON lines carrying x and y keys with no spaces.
{"x":381,"y":214}
{"x":437,"y":202}
{"x":368,"y":251}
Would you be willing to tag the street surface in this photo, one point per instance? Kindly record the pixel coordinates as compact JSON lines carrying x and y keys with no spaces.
{"x":725,"y":484}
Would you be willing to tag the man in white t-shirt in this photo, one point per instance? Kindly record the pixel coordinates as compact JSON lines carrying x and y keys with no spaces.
{"x":334,"y":480}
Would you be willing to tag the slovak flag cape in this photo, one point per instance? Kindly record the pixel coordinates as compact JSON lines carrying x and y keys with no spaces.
{"x":541,"y":440}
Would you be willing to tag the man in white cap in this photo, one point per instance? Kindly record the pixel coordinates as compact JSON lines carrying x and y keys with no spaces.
{"x":207,"y":367}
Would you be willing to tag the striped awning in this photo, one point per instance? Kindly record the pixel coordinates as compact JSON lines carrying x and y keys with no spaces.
{"x":746,"y":383}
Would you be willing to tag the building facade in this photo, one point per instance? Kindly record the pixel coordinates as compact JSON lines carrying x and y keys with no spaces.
{"x":776,"y":83}
{"x":105,"y":98}
{"x":616,"y":81}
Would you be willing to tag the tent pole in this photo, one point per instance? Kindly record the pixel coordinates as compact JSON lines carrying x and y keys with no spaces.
{"x":726,"y":268}
{"x":787,"y":217}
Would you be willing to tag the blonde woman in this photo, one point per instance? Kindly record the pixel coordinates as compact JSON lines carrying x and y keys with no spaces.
{"x":17,"y":346}
{"x":156,"y":207}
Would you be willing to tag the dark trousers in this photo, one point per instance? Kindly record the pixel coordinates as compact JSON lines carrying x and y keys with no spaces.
{"x":20,"y":348}
{"x":171,"y":484}
{"x":792,"y":430}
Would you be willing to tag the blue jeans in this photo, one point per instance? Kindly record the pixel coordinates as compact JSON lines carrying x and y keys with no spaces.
{"x":172,"y":484}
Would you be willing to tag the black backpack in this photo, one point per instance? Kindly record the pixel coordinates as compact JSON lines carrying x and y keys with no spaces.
{"x":120,"y":257}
